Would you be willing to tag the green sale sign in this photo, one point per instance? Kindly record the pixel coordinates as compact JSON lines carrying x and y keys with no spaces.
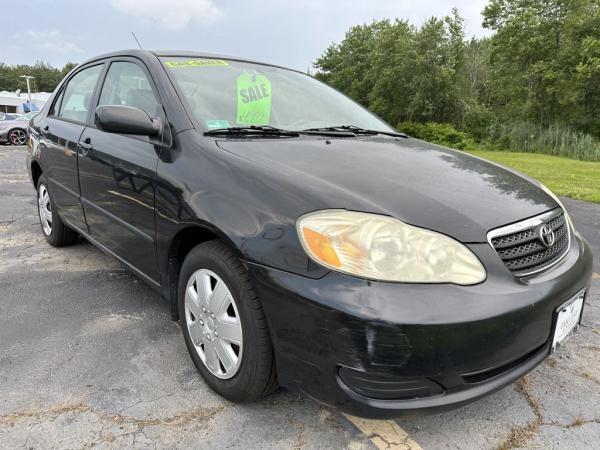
{"x":253,"y":99}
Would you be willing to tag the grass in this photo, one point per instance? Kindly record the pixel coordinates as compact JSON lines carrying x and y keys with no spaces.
{"x":554,"y":140}
{"x":521,"y":137}
{"x":565,"y":177}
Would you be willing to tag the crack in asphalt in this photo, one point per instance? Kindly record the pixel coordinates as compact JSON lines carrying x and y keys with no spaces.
{"x":520,"y":436}
{"x":384,"y":434}
{"x":579,"y":422}
{"x":53,"y":412}
{"x":389,"y":444}
{"x":300,"y":441}
{"x":107,"y":434}
{"x":13,"y":220}
{"x":47,"y":414}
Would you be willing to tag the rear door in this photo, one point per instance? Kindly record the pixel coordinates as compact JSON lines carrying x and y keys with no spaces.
{"x":117,"y":172}
{"x":60,"y":133}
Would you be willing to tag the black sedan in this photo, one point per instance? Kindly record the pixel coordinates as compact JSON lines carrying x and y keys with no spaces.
{"x":300,"y":240}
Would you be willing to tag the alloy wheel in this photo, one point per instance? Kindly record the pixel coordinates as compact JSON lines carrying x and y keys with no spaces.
{"x":45,"y":209}
{"x":214,"y":324}
{"x":18,"y":137}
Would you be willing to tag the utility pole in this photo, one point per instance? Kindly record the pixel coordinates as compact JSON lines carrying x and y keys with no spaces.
{"x":27,"y":77}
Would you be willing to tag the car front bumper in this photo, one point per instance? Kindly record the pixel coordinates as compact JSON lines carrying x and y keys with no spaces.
{"x":4,"y":135}
{"x":379,"y":349}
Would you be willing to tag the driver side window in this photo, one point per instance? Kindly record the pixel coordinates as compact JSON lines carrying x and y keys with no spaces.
{"x":127,"y":84}
{"x":77,"y":96}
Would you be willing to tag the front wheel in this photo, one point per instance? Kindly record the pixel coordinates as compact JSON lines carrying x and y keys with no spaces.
{"x":223,"y":324}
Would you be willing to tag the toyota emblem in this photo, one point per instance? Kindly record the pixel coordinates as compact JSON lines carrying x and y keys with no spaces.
{"x":547,"y":236}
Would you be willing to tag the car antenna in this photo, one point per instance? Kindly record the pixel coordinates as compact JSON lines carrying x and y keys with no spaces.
{"x":136,"y":40}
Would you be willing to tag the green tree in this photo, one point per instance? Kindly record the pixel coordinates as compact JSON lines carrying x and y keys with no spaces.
{"x":542,"y":60}
{"x":402,"y":72}
{"x":347,"y":65}
{"x":390,"y":82}
{"x":540,"y":67}
{"x":46,"y":77}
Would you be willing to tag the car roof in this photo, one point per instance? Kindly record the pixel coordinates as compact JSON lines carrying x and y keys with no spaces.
{"x":143,"y":54}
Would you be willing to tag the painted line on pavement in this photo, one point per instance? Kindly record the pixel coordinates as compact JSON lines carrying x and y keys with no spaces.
{"x":384,"y":434}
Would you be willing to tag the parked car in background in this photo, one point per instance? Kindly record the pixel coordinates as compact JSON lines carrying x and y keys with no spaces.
{"x":14,"y":131}
{"x":302,"y":241}
{"x":8,"y":116}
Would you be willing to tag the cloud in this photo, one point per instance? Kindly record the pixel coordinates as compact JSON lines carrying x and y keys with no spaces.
{"x":170,"y":14}
{"x":50,"y":41}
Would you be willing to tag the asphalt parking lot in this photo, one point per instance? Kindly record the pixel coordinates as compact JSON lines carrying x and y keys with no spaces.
{"x":89,"y":357}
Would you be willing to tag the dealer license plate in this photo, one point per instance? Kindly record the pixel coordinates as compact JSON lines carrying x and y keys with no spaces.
{"x":567,"y":319}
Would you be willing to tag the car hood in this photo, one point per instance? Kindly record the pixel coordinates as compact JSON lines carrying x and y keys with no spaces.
{"x":13,"y":123}
{"x":419,"y":183}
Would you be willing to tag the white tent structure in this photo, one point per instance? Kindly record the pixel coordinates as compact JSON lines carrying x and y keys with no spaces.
{"x":12,"y":102}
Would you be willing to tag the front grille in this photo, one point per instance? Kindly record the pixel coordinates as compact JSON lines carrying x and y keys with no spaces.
{"x":521,"y":248}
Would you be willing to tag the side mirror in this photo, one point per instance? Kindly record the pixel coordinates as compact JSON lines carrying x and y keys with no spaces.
{"x":127,"y":120}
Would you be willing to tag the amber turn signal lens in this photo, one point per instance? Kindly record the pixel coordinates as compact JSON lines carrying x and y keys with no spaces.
{"x":321,"y":246}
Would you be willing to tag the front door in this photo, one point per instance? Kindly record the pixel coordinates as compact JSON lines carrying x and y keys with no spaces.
{"x":117,"y":173}
{"x":60,"y":133}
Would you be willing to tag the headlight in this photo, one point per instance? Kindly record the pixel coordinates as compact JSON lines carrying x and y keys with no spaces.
{"x":383,"y":248}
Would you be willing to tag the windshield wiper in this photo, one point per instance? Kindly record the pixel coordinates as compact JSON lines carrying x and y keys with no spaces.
{"x":267,"y":130}
{"x":356,"y":130}
{"x":258,"y":130}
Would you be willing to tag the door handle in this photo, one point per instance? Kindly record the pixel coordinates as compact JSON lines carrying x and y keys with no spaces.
{"x":44,"y":131}
{"x":86,"y":146}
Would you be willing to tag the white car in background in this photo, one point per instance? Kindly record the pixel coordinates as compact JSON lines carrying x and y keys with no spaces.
{"x":14,"y":131}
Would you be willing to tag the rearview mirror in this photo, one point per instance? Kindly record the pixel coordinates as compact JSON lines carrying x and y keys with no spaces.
{"x":126,"y":120}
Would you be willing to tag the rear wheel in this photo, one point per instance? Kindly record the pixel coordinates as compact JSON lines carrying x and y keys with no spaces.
{"x":55,"y":231}
{"x":224,"y":325}
{"x":17,"y":136}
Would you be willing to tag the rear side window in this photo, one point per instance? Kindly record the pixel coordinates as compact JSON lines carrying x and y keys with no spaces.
{"x":127,"y":84}
{"x":78,"y":94}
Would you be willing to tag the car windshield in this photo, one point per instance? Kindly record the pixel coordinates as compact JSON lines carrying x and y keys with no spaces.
{"x":224,"y":93}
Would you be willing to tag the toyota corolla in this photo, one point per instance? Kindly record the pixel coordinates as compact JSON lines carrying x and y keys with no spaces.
{"x":300,"y":240}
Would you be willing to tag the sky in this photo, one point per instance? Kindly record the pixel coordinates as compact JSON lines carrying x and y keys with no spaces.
{"x":284,"y":32}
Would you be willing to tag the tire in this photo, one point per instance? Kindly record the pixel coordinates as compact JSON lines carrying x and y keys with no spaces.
{"x":253,"y":374}
{"x":17,"y":136}
{"x":53,"y":228}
